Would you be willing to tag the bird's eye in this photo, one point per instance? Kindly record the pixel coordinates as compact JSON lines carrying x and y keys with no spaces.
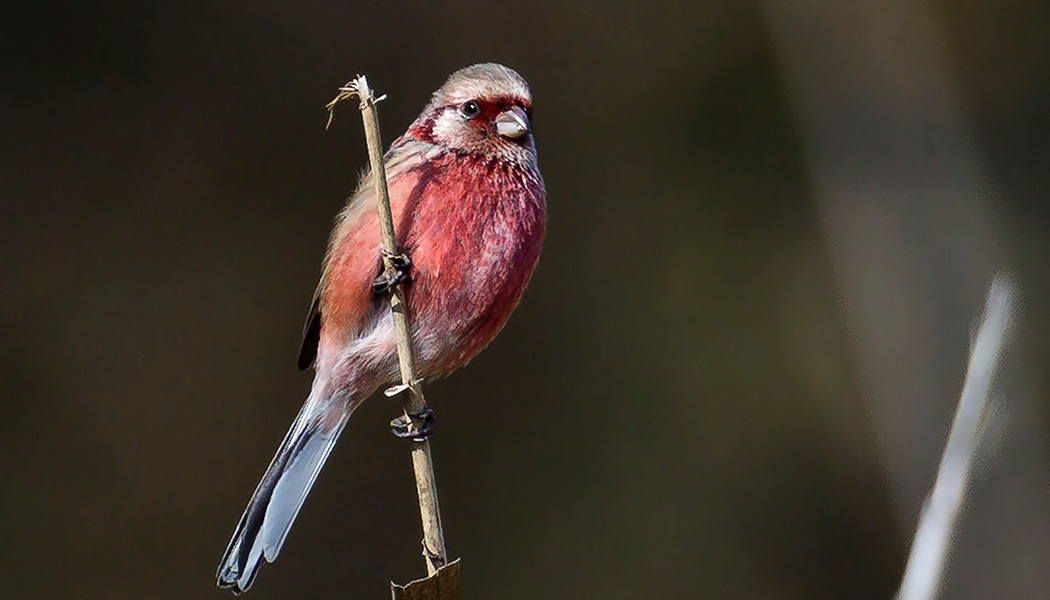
{"x":470,"y":109}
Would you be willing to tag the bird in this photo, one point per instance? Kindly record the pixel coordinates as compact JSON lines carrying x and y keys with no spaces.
{"x":470,"y":214}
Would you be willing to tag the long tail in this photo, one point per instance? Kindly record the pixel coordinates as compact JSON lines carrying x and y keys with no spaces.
{"x":283,"y":489}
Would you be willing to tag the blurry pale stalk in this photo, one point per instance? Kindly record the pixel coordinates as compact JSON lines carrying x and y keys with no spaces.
{"x":903,"y":207}
{"x":933,"y":536}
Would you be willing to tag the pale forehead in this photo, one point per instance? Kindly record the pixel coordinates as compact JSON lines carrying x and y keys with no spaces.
{"x":487,"y":80}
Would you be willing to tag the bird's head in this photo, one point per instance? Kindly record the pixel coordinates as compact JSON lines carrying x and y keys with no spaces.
{"x":483,"y":110}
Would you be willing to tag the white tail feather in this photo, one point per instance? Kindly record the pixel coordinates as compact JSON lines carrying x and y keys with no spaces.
{"x":283,"y":489}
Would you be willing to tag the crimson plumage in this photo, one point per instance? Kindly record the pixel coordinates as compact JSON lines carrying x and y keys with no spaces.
{"x":469,"y":209}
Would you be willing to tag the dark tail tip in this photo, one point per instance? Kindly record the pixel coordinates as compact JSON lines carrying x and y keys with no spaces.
{"x":233,"y":585}
{"x":234,"y":577}
{"x":240,"y":564}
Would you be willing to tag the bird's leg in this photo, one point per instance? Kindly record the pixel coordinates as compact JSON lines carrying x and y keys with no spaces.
{"x":406,"y":427}
{"x":385,"y":283}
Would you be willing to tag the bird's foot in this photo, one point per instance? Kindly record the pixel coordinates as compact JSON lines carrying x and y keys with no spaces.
{"x":416,"y":427}
{"x":386,"y":282}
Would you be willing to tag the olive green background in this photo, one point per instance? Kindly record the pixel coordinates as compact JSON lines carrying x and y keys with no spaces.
{"x":678,"y":409}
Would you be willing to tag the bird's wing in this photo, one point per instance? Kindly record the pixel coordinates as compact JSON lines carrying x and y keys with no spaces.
{"x":344,"y":294}
{"x":352,"y":230}
{"x":311,"y":331}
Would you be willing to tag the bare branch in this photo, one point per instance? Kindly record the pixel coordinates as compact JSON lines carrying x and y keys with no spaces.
{"x":414,"y":403}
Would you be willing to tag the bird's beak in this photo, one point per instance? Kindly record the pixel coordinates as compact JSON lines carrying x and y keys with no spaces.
{"x":512,"y":123}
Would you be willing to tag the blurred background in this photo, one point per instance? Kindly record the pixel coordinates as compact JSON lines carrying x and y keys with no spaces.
{"x":771,"y":228}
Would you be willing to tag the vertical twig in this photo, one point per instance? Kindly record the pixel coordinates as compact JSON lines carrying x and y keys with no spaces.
{"x":933,"y":535}
{"x":412,"y":392}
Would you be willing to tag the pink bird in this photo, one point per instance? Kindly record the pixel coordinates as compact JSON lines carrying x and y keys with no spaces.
{"x":469,"y":208}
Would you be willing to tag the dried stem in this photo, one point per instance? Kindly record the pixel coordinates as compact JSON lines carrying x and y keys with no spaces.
{"x":933,"y":535}
{"x":410,"y":389}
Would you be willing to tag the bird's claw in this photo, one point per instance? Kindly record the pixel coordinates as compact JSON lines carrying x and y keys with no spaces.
{"x":400,"y":261}
{"x":405,"y":426}
{"x":386,"y":282}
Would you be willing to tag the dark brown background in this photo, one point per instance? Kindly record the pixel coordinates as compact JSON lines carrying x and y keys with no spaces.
{"x":682,"y":406}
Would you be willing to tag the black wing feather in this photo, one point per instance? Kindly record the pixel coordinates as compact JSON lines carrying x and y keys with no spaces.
{"x":311,"y":333}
